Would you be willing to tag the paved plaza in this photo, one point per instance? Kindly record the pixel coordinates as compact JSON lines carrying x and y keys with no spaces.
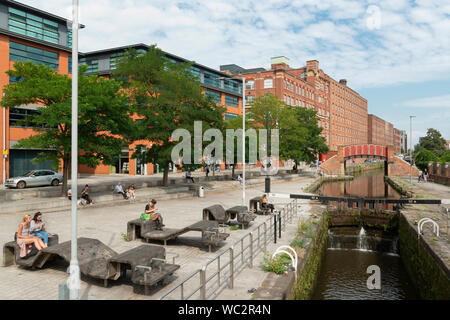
{"x":108,"y":223}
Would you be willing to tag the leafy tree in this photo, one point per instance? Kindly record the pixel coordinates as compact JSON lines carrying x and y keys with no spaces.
{"x":166,"y":96}
{"x":299,"y":134}
{"x":423,"y":157}
{"x":446,"y":156}
{"x":102,"y":109}
{"x":433,"y":142}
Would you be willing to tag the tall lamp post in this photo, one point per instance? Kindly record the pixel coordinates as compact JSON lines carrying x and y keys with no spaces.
{"x":74,"y":279}
{"x":410,"y":149}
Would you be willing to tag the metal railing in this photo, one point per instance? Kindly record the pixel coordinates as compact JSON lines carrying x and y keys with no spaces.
{"x":221,"y":271}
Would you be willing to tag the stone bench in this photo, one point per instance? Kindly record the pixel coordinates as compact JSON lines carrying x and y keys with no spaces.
{"x":255,"y":206}
{"x":11,"y":253}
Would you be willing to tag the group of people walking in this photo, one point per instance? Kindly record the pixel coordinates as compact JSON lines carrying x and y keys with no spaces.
{"x":423,"y":175}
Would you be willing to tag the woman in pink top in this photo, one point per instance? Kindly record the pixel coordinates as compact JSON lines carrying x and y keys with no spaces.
{"x":25,"y":240}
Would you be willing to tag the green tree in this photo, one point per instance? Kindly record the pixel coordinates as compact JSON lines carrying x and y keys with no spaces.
{"x":423,"y":157}
{"x":433,"y":142}
{"x":102,"y":109}
{"x":167,"y":96}
{"x":446,"y":156}
{"x":299,"y":134}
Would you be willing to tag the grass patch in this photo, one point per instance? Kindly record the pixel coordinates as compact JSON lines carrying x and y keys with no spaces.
{"x":233,"y":228}
{"x":299,"y":243}
{"x":279,"y":264}
{"x":124,"y":237}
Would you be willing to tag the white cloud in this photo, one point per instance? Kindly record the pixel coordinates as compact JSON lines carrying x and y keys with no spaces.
{"x":442,"y":101}
{"x":411,"y":45}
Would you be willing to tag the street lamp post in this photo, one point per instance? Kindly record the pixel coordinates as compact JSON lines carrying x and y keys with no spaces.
{"x":410,"y":149}
{"x":74,"y":279}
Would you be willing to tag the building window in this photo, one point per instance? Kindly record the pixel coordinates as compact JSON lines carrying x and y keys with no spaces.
{"x":70,"y":65}
{"x":232,"y":85}
{"x":195,"y":72}
{"x":211,"y":79}
{"x":92,"y":64}
{"x":249,"y":99}
{"x":303,"y":74}
{"x":231,"y":101}
{"x":20,"y":52}
{"x":250,"y":85}
{"x":69,"y":38}
{"x":18,"y":117}
{"x":33,"y":26}
{"x":268,"y":83}
{"x":215,"y":96}
{"x":229,"y":116}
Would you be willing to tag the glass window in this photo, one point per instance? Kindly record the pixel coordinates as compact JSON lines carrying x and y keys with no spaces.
{"x":114,"y":58}
{"x":231,"y":101}
{"x":229,"y":116}
{"x":92,"y":64}
{"x":33,"y":26}
{"x":70,"y":64}
{"x":249,"y":98}
{"x":215,"y":96}
{"x":250,"y":84}
{"x":268,"y":83}
{"x":20,"y":52}
{"x":18,"y":117}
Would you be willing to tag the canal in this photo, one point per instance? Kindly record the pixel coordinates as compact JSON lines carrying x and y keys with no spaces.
{"x":351,"y":250}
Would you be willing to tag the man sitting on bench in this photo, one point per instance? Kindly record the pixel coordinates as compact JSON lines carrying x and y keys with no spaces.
{"x":265,"y":203}
{"x":119,"y":190}
{"x":154,"y":216}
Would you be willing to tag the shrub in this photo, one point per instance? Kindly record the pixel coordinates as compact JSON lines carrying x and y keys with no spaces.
{"x":298,"y":242}
{"x":423,"y":157}
{"x":279,"y":264}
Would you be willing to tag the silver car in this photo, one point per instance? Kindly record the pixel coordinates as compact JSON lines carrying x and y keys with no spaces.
{"x":35,"y":178}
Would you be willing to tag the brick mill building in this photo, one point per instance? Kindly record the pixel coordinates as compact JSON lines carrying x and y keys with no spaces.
{"x":341,"y":111}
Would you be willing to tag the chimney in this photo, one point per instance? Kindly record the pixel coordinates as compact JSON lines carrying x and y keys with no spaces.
{"x":279,"y":63}
{"x":343,"y":82}
{"x":312,"y":65}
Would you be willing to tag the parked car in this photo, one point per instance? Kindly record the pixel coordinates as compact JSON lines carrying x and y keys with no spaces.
{"x":35,"y":178}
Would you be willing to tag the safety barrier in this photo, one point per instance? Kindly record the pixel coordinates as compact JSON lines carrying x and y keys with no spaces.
{"x":221,"y":271}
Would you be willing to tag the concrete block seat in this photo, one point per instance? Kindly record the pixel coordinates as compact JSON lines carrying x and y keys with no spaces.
{"x":146,"y":229}
{"x":96,"y":260}
{"x":11,"y":254}
{"x":147,"y":263}
{"x":218,"y":213}
{"x":256,"y":207}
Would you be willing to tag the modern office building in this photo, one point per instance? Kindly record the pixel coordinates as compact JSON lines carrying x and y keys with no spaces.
{"x":342,"y":112}
{"x":27,"y":34}
{"x":218,"y":85}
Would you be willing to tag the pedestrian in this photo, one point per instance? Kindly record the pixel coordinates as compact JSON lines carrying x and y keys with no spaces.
{"x":37,"y":227}
{"x":150,"y":208}
{"x":119,"y":190}
{"x":425,"y":175}
{"x":189,"y":177}
{"x":207,"y":170}
{"x":420,"y":176}
{"x":239,"y":178}
{"x":69,"y":194}
{"x":25,"y":240}
{"x":85,"y":195}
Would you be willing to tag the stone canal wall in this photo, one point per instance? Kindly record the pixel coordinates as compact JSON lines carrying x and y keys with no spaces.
{"x":430,"y":275}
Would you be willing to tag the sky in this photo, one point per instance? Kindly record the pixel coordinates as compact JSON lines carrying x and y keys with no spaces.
{"x":396,"y":54}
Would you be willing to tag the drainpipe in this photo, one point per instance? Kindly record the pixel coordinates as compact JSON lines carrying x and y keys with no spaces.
{"x":4,"y":144}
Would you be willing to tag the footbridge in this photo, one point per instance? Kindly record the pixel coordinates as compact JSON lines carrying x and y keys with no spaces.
{"x":393,"y":165}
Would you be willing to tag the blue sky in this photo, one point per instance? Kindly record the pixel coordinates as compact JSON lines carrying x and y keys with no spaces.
{"x":396,"y":54}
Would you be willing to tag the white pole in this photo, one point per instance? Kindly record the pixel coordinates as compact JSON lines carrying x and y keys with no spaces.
{"x":243,"y":141}
{"x":410,"y":149}
{"x":74,"y":268}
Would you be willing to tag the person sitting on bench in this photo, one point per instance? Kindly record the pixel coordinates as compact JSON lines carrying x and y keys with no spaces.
{"x":37,"y":227}
{"x":154,"y":216}
{"x":119,"y":189}
{"x":132,"y":192}
{"x":85,"y":195}
{"x":265,"y":203}
{"x":188,"y":176}
{"x":25,"y":240}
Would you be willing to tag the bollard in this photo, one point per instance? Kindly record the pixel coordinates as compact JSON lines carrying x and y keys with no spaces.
{"x":63,"y":291}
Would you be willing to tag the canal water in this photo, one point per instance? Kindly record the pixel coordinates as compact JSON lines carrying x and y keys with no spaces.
{"x":344,"y":273}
